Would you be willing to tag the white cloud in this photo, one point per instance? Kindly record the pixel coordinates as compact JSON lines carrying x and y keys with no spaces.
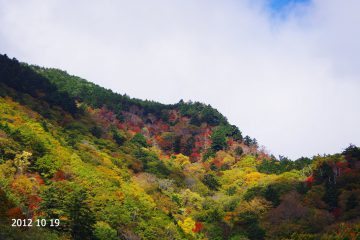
{"x":292,"y":83}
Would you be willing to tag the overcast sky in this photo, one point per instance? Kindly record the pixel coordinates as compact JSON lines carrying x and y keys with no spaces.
{"x":285,"y":72}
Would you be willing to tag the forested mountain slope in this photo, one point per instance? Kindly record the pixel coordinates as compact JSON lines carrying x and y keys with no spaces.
{"x":112,"y":167}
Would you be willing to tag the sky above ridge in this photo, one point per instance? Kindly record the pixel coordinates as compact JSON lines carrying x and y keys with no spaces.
{"x":284,"y":71}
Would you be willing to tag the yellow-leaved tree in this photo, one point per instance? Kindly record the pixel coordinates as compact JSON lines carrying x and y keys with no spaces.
{"x":187,"y":225}
{"x":21,"y":162}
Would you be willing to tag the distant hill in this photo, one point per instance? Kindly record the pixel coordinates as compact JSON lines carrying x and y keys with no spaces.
{"x":113,"y":167}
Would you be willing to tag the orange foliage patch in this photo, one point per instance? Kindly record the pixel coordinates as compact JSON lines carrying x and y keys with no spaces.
{"x":59,"y":176}
{"x":198,"y":227}
{"x":39,"y":179}
{"x":309,"y":181}
{"x":15,"y":213}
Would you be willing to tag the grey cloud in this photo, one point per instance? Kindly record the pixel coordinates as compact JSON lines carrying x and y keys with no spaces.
{"x":292,"y":83}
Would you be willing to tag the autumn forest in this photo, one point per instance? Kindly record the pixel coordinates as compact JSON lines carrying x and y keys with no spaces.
{"x":83,"y":162}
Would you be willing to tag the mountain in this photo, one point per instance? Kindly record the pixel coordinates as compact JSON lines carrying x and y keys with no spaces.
{"x":78,"y":161}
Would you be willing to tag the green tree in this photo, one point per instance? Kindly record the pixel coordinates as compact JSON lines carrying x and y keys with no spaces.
{"x":103,"y":231}
{"x":211,"y":181}
{"x":119,"y":137}
{"x":218,"y":138}
{"x":82,"y":218}
{"x":272,"y":195}
{"x":239,"y":151}
{"x":69,"y":202}
{"x":247,"y":140}
{"x":96,"y":131}
{"x":47,"y":165}
{"x":140,"y":140}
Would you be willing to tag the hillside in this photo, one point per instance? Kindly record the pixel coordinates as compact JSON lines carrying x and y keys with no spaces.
{"x":113,"y":167}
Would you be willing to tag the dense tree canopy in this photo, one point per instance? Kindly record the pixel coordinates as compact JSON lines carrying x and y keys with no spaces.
{"x":112,"y":167}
